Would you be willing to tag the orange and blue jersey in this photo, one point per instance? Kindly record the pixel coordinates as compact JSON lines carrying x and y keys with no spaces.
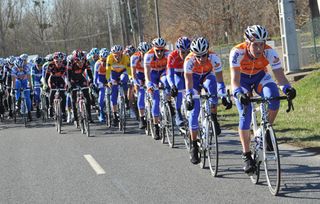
{"x":153,"y":62}
{"x":213,"y":64}
{"x":174,"y":66}
{"x":100,"y":72}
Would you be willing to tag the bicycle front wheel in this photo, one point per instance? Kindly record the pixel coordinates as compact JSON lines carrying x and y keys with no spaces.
{"x":122,"y":116}
{"x":213,"y":151}
{"x":58,"y":117}
{"x":272,"y":162}
{"x":108,"y":111}
{"x":86,"y":125}
{"x":169,"y":126}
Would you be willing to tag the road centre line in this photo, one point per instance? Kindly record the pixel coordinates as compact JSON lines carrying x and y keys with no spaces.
{"x":94,"y":164}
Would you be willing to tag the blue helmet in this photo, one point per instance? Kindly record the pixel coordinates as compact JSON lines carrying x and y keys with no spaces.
{"x":19,"y":62}
{"x":11,"y":60}
{"x":144,"y":47}
{"x":94,"y":51}
{"x":183,"y":43}
{"x":129,"y":50}
{"x":104,"y":53}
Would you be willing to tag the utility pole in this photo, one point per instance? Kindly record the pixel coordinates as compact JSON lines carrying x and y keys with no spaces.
{"x":109,"y":27}
{"x":157,"y":17}
{"x":131,"y":23}
{"x":140,"y":28}
{"x":289,"y":36}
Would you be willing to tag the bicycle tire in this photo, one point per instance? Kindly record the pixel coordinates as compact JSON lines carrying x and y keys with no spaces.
{"x":169,"y":126}
{"x":23,"y":108}
{"x":108,"y":111}
{"x":213,"y":150}
{"x":255,"y":176}
{"x":122,"y":112}
{"x":14,"y":109}
{"x":187,"y":138}
{"x":58,"y":117}
{"x":80,"y":117}
{"x":202,"y":154}
{"x":272,"y":180}
{"x":86,"y":125}
{"x":44,"y":109}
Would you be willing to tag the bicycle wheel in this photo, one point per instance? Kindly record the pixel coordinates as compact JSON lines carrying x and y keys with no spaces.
{"x":108,"y":111}
{"x":122,"y":116}
{"x":44,"y":109}
{"x":80,"y":117}
{"x":58,"y":117}
{"x":24,"y":112}
{"x":14,"y":109}
{"x":169,"y":126}
{"x":272,"y":163}
{"x":202,"y":153}
{"x":213,"y":151}
{"x":86,"y":125}
{"x":256,"y":156}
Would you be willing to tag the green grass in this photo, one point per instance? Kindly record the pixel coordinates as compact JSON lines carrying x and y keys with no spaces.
{"x":300,"y":127}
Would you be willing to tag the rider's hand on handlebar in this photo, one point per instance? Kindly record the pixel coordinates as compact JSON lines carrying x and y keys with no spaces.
{"x":243,"y":98}
{"x":226,"y":101}
{"x":291,"y":93}
{"x":174,"y":91}
{"x":189,"y":102}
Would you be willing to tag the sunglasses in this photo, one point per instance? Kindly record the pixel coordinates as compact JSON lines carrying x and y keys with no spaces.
{"x":201,"y":56}
{"x":159,"y":50}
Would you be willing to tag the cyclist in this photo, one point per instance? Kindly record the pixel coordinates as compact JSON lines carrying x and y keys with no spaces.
{"x":118,"y":66}
{"x":137,"y":70}
{"x":36,"y":75}
{"x":175,"y":75}
{"x":76,"y":77}
{"x":21,"y":78}
{"x":202,"y":69}
{"x":8,"y":81}
{"x":248,"y":62}
{"x":92,"y":58}
{"x":100,"y":81}
{"x":55,"y":78}
{"x":129,"y":51}
{"x":155,"y":63}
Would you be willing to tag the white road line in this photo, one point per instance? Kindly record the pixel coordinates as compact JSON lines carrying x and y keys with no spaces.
{"x":94,"y":164}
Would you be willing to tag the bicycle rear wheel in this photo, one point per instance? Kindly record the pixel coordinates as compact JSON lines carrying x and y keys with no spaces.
{"x":272,"y":163}
{"x":169,"y":126}
{"x":14,"y":109}
{"x":80,"y":118}
{"x":213,"y":151}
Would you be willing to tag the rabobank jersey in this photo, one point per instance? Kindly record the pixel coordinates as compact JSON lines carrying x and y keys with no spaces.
{"x":100,"y":68}
{"x":240,"y":59}
{"x":175,"y":61}
{"x":136,"y":61}
{"x":213,"y":64}
{"x":151,"y":60}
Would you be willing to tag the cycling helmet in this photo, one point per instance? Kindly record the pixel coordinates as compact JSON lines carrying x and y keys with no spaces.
{"x":69,"y":58}
{"x":256,"y":33}
{"x":49,"y":57}
{"x":159,"y":43}
{"x":24,"y":56}
{"x":183,"y":43}
{"x":58,"y":56}
{"x":39,"y":60}
{"x":94,"y":51}
{"x":144,"y":47}
{"x":11,"y":60}
{"x":19,"y":62}
{"x":78,"y":55}
{"x":116,"y":48}
{"x":130,"y":49}
{"x":200,"y":46}
{"x":103,"y":53}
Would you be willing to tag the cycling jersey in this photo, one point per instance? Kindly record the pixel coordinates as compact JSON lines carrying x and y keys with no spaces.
{"x":240,"y":59}
{"x":121,"y":66}
{"x":213,"y":64}
{"x":36,"y":75}
{"x":76,"y":73}
{"x":151,"y":60}
{"x":136,"y":61}
{"x":21,"y":75}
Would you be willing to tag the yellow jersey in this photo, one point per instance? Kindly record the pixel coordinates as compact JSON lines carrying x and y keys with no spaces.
{"x":113,"y":65}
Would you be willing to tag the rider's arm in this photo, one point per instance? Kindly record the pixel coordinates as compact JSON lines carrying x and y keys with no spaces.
{"x":170,"y":69}
{"x":109,"y":66}
{"x":147,"y":67}
{"x":217,"y":65}
{"x":188,"y":74}
{"x":133,"y":62}
{"x":235,"y":58}
{"x":96,"y":70}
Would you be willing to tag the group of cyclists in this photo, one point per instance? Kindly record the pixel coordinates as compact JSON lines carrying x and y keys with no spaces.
{"x":182,"y":74}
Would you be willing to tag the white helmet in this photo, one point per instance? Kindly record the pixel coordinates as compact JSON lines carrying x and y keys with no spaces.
{"x":144,"y":47}
{"x":116,"y":48}
{"x":200,"y":46}
{"x":159,"y":42}
{"x":256,"y":33}
{"x":24,"y":56}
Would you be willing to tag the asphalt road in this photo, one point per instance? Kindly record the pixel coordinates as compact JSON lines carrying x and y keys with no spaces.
{"x":37,"y":165}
